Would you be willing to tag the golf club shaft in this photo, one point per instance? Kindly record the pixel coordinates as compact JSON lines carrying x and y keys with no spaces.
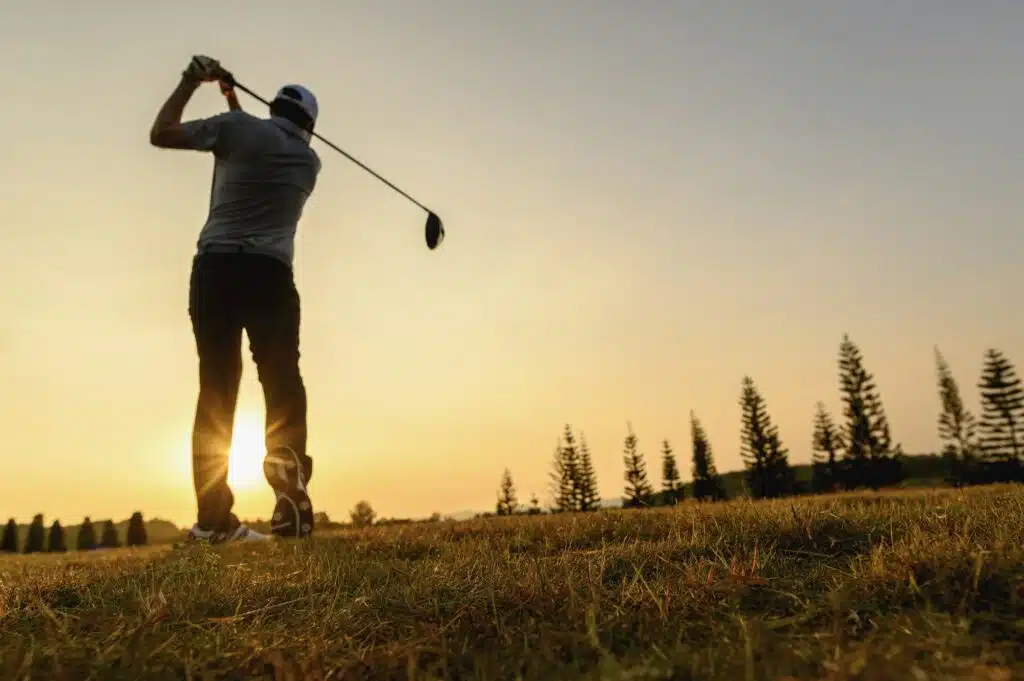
{"x":337,"y":149}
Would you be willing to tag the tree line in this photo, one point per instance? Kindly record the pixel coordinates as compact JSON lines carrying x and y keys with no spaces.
{"x":857,"y":453}
{"x":38,"y":540}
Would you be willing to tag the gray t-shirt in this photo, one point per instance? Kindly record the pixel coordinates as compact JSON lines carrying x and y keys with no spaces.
{"x":263,"y":174}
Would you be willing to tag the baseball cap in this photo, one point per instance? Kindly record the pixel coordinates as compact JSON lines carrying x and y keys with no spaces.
{"x":301,"y":96}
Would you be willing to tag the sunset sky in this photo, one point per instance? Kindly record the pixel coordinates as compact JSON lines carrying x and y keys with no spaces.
{"x":644,"y":202}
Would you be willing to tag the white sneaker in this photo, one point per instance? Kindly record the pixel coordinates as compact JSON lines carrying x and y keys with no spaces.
{"x":240,"y":533}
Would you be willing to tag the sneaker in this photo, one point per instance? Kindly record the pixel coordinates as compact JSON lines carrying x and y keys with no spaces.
{"x":240,"y":533}
{"x":293,"y":512}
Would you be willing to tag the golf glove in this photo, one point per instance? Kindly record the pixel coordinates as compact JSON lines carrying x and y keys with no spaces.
{"x":204,"y":69}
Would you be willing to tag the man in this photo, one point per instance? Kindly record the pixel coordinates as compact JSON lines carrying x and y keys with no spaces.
{"x":264,"y":170}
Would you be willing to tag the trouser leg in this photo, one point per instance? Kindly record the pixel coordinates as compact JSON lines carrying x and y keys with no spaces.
{"x":217,"y":328}
{"x":272,"y":324}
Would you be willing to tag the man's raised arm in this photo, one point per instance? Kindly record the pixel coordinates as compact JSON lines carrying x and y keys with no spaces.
{"x":167,"y":131}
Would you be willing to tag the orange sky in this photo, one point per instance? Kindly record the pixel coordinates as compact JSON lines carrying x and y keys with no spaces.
{"x":642,"y":204}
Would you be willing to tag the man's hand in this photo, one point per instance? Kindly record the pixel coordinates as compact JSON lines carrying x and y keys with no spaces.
{"x":227,"y":89}
{"x":203,"y":69}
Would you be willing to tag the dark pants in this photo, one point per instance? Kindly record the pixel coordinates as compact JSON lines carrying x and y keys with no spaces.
{"x":229,"y":293}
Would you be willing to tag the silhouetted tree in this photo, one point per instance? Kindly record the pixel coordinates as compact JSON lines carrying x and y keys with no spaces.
{"x":768,"y":473}
{"x":86,"y":536}
{"x":507,"y":504}
{"x":534,"y":505}
{"x":136,"y":531}
{"x":870,"y":458}
{"x":638,"y":488}
{"x":1002,"y":417}
{"x":671,"y":485}
{"x":363,"y":514}
{"x":109,"y":538}
{"x":9,"y":543}
{"x":35,"y":542}
{"x":589,"y":496}
{"x":957,"y":426}
{"x":561,"y":483}
{"x":55,"y":543}
{"x":565,"y":476}
{"x":826,"y":448}
{"x":707,"y":484}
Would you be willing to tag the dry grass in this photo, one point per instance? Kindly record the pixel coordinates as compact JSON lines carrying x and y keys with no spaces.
{"x":911,"y":586}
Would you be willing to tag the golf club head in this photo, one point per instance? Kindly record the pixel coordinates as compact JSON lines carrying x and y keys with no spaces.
{"x":434,"y":231}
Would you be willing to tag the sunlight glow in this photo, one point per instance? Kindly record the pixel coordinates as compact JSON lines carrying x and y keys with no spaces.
{"x":248,"y":447}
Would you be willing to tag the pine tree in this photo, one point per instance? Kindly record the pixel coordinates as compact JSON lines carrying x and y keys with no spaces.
{"x":561,"y":483}
{"x":9,"y":543}
{"x":571,"y":456}
{"x":887,"y":458}
{"x":783,"y":479}
{"x":1002,"y":417}
{"x":827,"y":448}
{"x":110,"y":540}
{"x":707,"y":484}
{"x":589,"y":495}
{"x":507,"y":504}
{"x":671,"y":484}
{"x":754,"y":433}
{"x":768,"y":473}
{"x":534,"y":505}
{"x":137,"y":529}
{"x":870,"y":459}
{"x":35,"y":542}
{"x":55,"y":542}
{"x":566,"y":473}
{"x":957,"y":426}
{"x":86,"y":536}
{"x":638,"y":488}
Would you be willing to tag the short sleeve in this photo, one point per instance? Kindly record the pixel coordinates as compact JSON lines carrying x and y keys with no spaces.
{"x":209,"y":134}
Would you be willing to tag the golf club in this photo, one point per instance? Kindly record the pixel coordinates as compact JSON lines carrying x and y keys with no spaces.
{"x":434,"y":230}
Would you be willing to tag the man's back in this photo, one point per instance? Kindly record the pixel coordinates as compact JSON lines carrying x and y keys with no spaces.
{"x":263,"y":174}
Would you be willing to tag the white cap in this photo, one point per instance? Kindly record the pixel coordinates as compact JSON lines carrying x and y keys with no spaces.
{"x":301,"y":96}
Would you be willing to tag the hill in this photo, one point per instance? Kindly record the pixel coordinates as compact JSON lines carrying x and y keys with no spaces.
{"x":923,"y":470}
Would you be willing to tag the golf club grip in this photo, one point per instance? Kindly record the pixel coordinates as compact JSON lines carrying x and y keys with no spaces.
{"x":332,"y":145}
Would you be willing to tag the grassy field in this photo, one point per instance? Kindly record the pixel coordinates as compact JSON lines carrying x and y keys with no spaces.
{"x":903,"y":586}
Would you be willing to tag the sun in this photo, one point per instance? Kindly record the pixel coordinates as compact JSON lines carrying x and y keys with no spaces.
{"x":248,"y":447}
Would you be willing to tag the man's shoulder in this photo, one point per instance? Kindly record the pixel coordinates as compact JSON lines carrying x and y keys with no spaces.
{"x":229,"y":122}
{"x":242,"y":118}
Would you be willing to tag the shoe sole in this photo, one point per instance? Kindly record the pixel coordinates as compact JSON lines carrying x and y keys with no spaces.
{"x":293,"y":513}
{"x":225,"y":538}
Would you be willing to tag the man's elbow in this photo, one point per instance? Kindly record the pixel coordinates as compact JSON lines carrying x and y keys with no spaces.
{"x":169,"y":137}
{"x":183,"y":136}
{"x":160,"y":138}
